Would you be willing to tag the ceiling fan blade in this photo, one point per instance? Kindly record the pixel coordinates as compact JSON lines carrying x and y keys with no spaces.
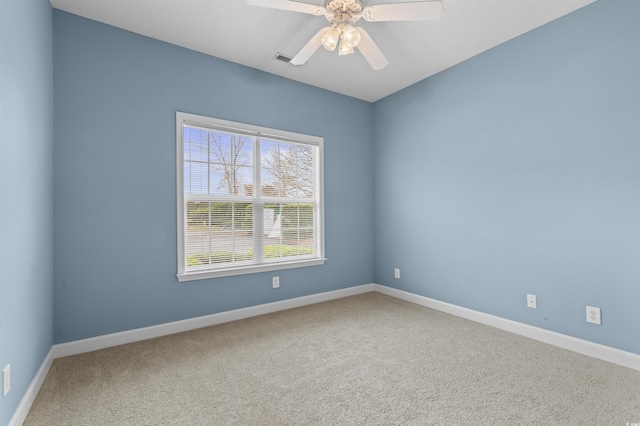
{"x":309,"y":49}
{"x":417,"y":11}
{"x":370,"y":51}
{"x":294,"y":6}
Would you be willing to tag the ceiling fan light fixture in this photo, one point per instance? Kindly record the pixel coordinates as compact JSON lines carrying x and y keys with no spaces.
{"x":351,"y":36}
{"x":343,"y":14}
{"x":330,"y":38}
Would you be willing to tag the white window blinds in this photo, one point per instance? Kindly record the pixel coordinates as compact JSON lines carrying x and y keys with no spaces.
{"x":249,"y":198}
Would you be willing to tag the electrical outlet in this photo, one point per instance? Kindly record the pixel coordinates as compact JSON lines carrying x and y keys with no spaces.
{"x":396,"y":273}
{"x":593,"y":315}
{"x":276,"y":282}
{"x":532,"y":301}
{"x":6,"y":380}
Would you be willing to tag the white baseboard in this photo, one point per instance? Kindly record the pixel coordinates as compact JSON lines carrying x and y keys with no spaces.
{"x":584,"y":347}
{"x":32,"y":391}
{"x":130,"y":336}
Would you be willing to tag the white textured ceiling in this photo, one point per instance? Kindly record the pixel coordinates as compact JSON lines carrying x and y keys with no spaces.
{"x":251,"y":36}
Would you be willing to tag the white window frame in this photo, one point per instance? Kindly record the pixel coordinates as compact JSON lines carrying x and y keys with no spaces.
{"x":256,"y":131}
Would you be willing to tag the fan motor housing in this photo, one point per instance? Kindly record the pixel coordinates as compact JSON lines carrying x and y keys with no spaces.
{"x":352,"y":7}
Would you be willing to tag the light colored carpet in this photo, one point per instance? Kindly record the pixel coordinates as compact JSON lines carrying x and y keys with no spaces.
{"x":363,"y":360}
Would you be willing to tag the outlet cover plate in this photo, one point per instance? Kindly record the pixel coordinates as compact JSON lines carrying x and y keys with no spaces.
{"x":593,"y":315}
{"x":6,"y":380}
{"x":276,"y":282}
{"x":532,"y":301}
{"x":396,"y":273}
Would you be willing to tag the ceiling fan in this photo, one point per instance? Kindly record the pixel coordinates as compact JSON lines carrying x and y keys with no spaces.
{"x":341,"y":33}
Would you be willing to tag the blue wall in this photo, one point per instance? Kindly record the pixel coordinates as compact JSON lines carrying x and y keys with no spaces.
{"x":518,"y":172}
{"x":26,"y":241}
{"x":515,"y":172}
{"x":114,"y":178}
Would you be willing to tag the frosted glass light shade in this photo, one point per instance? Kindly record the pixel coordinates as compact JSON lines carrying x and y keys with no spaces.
{"x":344,"y":49}
{"x":330,"y":38}
{"x":351,"y":36}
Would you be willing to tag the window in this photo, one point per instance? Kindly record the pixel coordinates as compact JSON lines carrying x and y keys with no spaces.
{"x":249,"y":198}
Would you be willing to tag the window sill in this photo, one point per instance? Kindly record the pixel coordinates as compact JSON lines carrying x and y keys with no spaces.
{"x":252,"y":269}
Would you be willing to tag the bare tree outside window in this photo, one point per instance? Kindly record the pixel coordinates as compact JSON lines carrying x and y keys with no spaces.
{"x":231,"y":155}
{"x":290,"y":168}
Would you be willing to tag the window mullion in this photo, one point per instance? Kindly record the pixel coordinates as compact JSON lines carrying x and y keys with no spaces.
{"x":209,"y":218}
{"x":258,"y":207}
